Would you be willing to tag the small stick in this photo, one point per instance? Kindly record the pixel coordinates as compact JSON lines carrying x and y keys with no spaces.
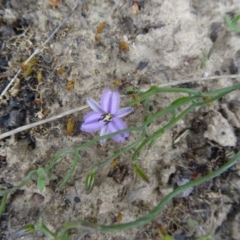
{"x":173,"y":83}
{"x":31,"y":125}
{"x":39,"y":49}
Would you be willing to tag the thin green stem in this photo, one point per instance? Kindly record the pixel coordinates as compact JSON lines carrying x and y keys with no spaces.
{"x":119,"y":152}
{"x":70,"y":172}
{"x":4,"y":193}
{"x":55,"y":159}
{"x":3,"y":204}
{"x":43,"y":228}
{"x":154,"y":90}
{"x":152,"y":214}
{"x":169,"y":197}
{"x":159,"y":132}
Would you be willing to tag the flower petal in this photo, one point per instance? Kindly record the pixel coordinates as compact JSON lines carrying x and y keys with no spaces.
{"x":115,"y":125}
{"x":91,"y":122}
{"x":95,"y":106}
{"x":104,"y":131}
{"x":110,"y":101}
{"x":122,"y":112}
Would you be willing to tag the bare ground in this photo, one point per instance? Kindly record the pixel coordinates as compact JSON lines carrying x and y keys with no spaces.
{"x":85,"y":52}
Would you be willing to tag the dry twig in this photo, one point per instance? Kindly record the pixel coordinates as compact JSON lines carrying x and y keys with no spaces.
{"x":39,"y":49}
{"x":173,"y":83}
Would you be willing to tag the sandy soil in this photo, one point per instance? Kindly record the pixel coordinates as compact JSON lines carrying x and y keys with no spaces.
{"x":168,"y":35}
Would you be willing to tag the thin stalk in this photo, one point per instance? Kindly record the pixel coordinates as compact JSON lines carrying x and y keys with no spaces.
{"x":119,"y":152}
{"x":70,"y":172}
{"x":168,"y":198}
{"x":152,"y":214}
{"x":3,"y":204}
{"x":159,"y":132}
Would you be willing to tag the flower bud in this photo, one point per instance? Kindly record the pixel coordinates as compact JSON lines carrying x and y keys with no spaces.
{"x":89,"y":183}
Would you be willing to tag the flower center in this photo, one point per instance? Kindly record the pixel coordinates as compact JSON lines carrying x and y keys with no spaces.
{"x":107,"y":118}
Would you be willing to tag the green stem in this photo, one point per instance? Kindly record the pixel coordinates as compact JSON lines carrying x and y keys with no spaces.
{"x":119,"y":152}
{"x":3,"y":204}
{"x":154,"y":90}
{"x":55,"y":159}
{"x":152,"y":214}
{"x":169,"y":197}
{"x":159,"y":132}
{"x":43,"y":228}
{"x":70,"y":172}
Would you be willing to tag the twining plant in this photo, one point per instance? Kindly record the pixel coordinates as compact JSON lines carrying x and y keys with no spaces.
{"x":107,"y":119}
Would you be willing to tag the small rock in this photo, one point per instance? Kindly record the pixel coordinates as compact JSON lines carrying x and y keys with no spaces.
{"x":47,"y":58}
{"x":57,"y":48}
{"x":216,"y":125}
{"x":77,"y":199}
{"x":6,"y":32}
{"x":37,"y":198}
{"x":142,"y":65}
{"x":216,"y":31}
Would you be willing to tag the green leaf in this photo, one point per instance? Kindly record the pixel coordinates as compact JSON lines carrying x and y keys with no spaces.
{"x":43,"y":228}
{"x":42,"y":179}
{"x":236,"y":18}
{"x":89,"y":183}
{"x":3,"y":204}
{"x":232,"y":23}
{"x":147,"y":104}
{"x":179,"y":100}
{"x":166,"y":237}
{"x":141,"y":173}
{"x":130,"y":90}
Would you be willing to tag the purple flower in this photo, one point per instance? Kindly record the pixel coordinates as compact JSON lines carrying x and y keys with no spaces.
{"x":107,"y":116}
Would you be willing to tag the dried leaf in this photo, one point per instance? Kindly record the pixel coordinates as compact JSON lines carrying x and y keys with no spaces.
{"x":117,"y":82}
{"x":15,"y":88}
{"x":119,"y":217}
{"x":123,"y":46}
{"x":54,"y":3}
{"x":101,"y":27}
{"x":211,"y":104}
{"x":114,"y":163}
{"x":135,"y":9}
{"x":28,"y":67}
{"x":70,"y":126}
{"x":38,"y":101}
{"x":113,"y":166}
{"x":97,"y":38}
{"x":60,"y":71}
{"x":39,"y":76}
{"x":135,"y":97}
{"x":70,"y":85}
